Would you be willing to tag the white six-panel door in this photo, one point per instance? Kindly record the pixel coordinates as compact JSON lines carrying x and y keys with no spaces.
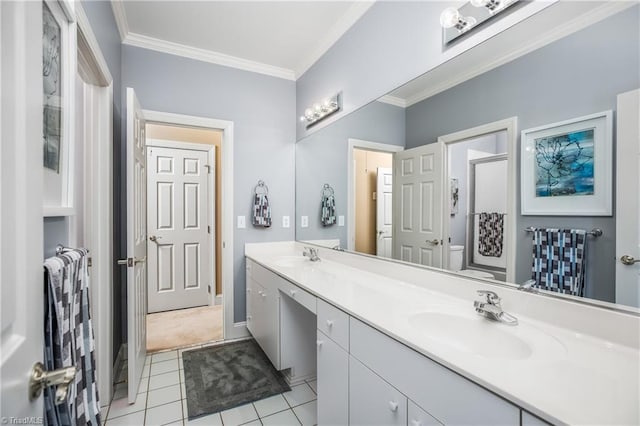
{"x":384,"y":212}
{"x":417,"y":204}
{"x":136,"y":244}
{"x":179,"y":255}
{"x":628,"y":200}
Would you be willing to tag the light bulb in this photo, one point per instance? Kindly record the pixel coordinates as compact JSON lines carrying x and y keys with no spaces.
{"x":479,"y":3}
{"x":317,"y":107}
{"x":449,"y":17}
{"x":303,"y":118}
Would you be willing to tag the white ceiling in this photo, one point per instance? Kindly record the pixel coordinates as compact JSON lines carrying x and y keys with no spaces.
{"x":281,"y":38}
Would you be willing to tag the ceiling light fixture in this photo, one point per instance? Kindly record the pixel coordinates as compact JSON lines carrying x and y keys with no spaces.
{"x":322,"y":110}
{"x":456,"y":22}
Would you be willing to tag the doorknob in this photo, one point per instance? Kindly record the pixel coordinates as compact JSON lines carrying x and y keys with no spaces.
{"x":130,"y":261}
{"x":40,"y":379}
{"x":628,"y":260}
{"x":154,"y":238}
{"x":433,"y":242}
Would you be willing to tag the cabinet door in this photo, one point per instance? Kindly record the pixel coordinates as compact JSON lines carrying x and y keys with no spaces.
{"x":418,"y":417}
{"x":251,"y":307}
{"x":269,"y":318}
{"x":372,"y":401}
{"x":333,"y":382}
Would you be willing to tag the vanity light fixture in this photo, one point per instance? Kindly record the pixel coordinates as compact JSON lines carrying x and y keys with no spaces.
{"x":322,"y":110}
{"x":456,"y":22}
{"x":451,"y":18}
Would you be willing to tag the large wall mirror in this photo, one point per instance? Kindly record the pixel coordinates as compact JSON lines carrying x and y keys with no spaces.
{"x":435,"y":177}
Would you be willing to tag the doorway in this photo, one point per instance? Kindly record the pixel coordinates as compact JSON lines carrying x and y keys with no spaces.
{"x":370,"y":175}
{"x":184,"y":236}
{"x":478,"y":225}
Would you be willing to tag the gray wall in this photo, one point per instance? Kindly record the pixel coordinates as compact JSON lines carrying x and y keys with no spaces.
{"x":392,"y":43}
{"x":263,"y":111}
{"x":322,"y":158}
{"x":578,"y":75}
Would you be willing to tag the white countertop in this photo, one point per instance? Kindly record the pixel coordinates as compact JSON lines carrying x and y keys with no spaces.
{"x":573,"y":374}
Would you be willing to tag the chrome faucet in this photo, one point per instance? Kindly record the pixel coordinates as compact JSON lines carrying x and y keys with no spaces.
{"x":528,"y":286}
{"x":491,"y":308}
{"x":311,"y":253}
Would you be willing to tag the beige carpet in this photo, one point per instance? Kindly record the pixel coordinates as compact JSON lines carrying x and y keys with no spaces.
{"x":184,"y":327}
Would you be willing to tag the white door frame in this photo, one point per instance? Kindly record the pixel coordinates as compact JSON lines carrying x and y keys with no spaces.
{"x":98,"y":200}
{"x":351,"y":181}
{"x":211,"y":153}
{"x":231,"y":330}
{"x":510,"y":125}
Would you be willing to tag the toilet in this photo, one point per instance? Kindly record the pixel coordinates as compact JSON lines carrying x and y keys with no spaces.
{"x":455,"y":264}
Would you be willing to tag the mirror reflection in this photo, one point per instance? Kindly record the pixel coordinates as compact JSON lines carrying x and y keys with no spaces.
{"x":436,"y":177}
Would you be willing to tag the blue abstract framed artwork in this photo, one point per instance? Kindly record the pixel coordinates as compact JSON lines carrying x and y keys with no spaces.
{"x":566,"y":167}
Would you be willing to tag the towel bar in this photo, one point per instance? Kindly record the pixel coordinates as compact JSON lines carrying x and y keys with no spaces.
{"x":596,"y":232}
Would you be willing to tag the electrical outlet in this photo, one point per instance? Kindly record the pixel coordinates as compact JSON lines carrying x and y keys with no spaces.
{"x":304,"y":221}
{"x":241,"y":222}
{"x":285,"y":221}
{"x":340,"y":220}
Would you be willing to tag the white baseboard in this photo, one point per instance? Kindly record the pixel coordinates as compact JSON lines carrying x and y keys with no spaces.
{"x":218,"y":299}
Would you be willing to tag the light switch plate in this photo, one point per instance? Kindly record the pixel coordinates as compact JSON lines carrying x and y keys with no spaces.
{"x":304,"y":221}
{"x":285,"y":221}
{"x":340,"y":220}
{"x":241,"y":222}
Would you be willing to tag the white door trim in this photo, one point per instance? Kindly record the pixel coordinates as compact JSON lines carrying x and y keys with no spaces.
{"x":510,"y":125}
{"x":351,"y":182}
{"x":231,"y":330}
{"x":98,"y":199}
{"x":211,"y":158}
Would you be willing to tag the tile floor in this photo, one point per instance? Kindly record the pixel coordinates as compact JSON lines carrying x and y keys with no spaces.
{"x":161,"y":401}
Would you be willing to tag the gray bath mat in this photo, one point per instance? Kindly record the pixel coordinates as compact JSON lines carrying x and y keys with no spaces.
{"x":221,"y":377}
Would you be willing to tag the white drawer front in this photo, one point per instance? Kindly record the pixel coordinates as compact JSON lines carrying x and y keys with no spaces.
{"x":334,"y":323}
{"x":372,"y":401}
{"x":445,"y":395}
{"x":269,"y":280}
{"x":305,"y":298}
{"x":531,"y":420}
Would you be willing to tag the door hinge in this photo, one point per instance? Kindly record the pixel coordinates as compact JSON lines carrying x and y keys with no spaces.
{"x":209,"y":288}
{"x":208,"y":168}
{"x":208,"y":229}
{"x":224,"y":245}
{"x":89,"y":262}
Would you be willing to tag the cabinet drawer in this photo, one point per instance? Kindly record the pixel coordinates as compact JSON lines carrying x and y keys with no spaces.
{"x":416,"y":416}
{"x":334,"y":323}
{"x":304,"y":298}
{"x":372,"y":401}
{"x":269,"y":280}
{"x":445,"y":395}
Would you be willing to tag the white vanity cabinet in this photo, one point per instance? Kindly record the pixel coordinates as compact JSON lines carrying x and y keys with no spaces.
{"x":263,"y":312}
{"x":416,"y":416}
{"x":531,"y":420}
{"x":332,"y":382}
{"x":443,"y":394}
{"x":281,"y":317}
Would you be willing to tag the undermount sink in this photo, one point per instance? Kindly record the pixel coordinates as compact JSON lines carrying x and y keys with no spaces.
{"x":290,"y":261}
{"x":473,"y":334}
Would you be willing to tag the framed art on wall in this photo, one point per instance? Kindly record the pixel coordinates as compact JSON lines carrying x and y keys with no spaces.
{"x":566,"y":167}
{"x":58,"y":84}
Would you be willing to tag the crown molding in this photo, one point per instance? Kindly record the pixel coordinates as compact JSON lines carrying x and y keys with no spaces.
{"x":393,"y":100}
{"x":120,"y":16}
{"x":594,"y":15}
{"x":146,"y":42}
{"x":342,"y":25}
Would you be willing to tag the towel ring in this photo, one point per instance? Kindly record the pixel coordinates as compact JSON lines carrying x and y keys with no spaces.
{"x":261,"y":186}
{"x":327,"y":190}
